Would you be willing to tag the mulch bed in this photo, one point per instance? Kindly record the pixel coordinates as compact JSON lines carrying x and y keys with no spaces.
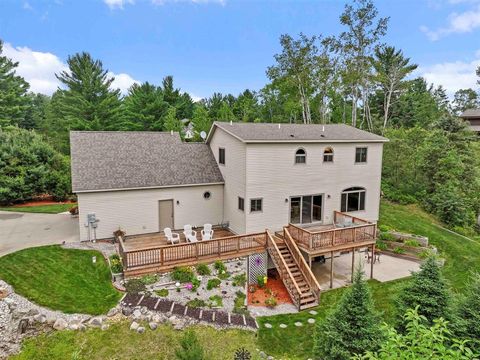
{"x":164,"y":306}
{"x":131,"y":299}
{"x":42,"y":202}
{"x":276,"y":287}
{"x":179,"y":309}
{"x":149,"y":302}
{"x":221,"y":318}
{"x":207,"y":315}
{"x":237,"y":319}
{"x":194,"y":312}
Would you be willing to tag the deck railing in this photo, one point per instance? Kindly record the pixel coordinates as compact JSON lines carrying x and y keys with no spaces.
{"x":302,"y":264}
{"x":173,"y":255}
{"x":355,"y":230}
{"x":283,"y":270}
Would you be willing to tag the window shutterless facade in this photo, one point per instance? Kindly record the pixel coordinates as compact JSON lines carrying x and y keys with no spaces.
{"x":255,"y":205}
{"x":328,"y":155}
{"x":300,"y":156}
{"x":306,"y":209}
{"x":221,"y":156}
{"x":361,"y":155}
{"x":241,"y":204}
{"x":353,"y":199}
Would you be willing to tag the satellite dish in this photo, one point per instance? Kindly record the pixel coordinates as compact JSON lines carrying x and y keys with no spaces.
{"x":203,"y":135}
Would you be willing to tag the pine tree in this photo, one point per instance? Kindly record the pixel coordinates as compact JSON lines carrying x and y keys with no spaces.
{"x":352,"y":327}
{"x":13,"y":90}
{"x":201,"y":120}
{"x":170,"y":122}
{"x":467,"y":323}
{"x":427,"y":290}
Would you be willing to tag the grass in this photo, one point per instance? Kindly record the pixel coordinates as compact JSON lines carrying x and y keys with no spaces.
{"x":461,"y":258}
{"x":120,"y":343}
{"x":47,"y":209}
{"x":61,"y":279}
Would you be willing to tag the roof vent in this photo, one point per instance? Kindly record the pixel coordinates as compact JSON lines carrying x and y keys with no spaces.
{"x":323,"y":128}
{"x":279,"y":125}
{"x":291,"y":135}
{"x":231,"y":122}
{"x":171,"y":132}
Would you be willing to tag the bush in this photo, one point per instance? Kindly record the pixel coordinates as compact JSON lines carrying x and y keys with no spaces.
{"x":381,"y":245}
{"x":135,"y":286}
{"x":240,"y":280}
{"x":219,"y":266}
{"x":261,"y":281}
{"x":399,"y":250}
{"x":190,"y":347}
{"x":213,"y":283}
{"x":412,"y":243}
{"x":116,"y":264}
{"x":384,"y":228}
{"x":149,"y":279}
{"x":182,"y":274}
{"x":271,"y":302}
{"x":203,"y":269}
{"x":216,"y":301}
{"x":239,"y":303}
{"x":387,"y":237}
{"x":425,"y":254}
{"x":223,"y":275}
{"x":196,"y":303}
{"x":162,"y":292}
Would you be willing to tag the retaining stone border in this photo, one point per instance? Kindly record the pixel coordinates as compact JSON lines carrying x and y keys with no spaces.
{"x":215,"y":317}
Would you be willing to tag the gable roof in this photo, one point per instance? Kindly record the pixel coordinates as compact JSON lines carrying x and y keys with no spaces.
{"x":116,"y":160}
{"x":269,"y":132}
{"x":471,"y":113}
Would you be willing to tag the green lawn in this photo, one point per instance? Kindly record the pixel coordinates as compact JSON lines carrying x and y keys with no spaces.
{"x":61,"y":279}
{"x":120,"y":343}
{"x":47,"y":209}
{"x":462,"y":257}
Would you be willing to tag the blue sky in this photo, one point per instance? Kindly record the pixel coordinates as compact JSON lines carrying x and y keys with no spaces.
{"x":222,"y":45}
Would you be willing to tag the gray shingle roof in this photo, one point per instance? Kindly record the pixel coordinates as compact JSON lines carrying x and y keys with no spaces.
{"x":268,"y":132}
{"x":104,"y":160}
{"x":471,"y":113}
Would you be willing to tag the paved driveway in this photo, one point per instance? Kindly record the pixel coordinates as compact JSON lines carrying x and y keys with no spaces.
{"x":24,"y":230}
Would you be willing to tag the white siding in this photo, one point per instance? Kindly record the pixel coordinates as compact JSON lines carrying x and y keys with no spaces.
{"x":273,"y":176}
{"x":234,"y":175}
{"x":136,"y":211}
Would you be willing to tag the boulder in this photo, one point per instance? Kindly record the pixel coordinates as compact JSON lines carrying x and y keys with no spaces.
{"x":127,"y":311}
{"x":40,"y":318}
{"x":112,"y":312}
{"x":137,"y":315}
{"x":134,"y":326}
{"x":153,"y":325}
{"x":60,"y":324}
{"x":73,"y":326}
{"x":96,"y":321}
{"x":140,"y":329}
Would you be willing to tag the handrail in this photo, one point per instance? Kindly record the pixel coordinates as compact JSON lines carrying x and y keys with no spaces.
{"x":302,"y":264}
{"x":271,"y":241}
{"x":121,"y":250}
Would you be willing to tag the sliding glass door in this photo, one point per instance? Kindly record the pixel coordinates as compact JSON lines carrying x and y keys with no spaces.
{"x":306,"y":209}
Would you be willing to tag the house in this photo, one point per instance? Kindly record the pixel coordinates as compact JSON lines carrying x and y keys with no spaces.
{"x":472,"y":116}
{"x":247,"y":176}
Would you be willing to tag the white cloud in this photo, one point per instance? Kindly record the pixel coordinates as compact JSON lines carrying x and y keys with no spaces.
{"x":453,"y":75}
{"x":27,"y":6}
{"x":163,"y":2}
{"x":118,"y":4}
{"x":39,"y":69}
{"x":458,"y":23}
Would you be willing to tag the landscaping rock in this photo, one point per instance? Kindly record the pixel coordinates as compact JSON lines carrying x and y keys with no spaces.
{"x":137,"y":314}
{"x":82,"y":327}
{"x":311,"y":321}
{"x":127,"y":311}
{"x":112,"y":312}
{"x":153,"y":325}
{"x":298,"y":324}
{"x":268,"y":326}
{"x":40,"y":318}
{"x":60,"y":324}
{"x":104,"y":327}
{"x":262,"y":355}
{"x":283,"y":326}
{"x":96,"y":321}
{"x":140,"y":329}
{"x":73,"y":326}
{"x":134,"y":326}
{"x":313,"y":312}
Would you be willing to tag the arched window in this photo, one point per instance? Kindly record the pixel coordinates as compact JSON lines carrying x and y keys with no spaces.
{"x":328,"y":155}
{"x":353,"y":199}
{"x":300,"y":156}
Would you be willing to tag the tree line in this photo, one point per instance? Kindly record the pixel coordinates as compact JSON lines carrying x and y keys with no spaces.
{"x":353,"y":78}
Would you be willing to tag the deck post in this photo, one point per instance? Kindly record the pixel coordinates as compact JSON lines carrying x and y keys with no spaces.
{"x":372,"y":261}
{"x":353,"y":262}
{"x":331,"y":269}
{"x":333,"y":237}
{"x":310,"y":261}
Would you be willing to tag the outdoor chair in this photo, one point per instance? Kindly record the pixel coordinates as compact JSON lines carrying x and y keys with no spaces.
{"x":190,"y":235}
{"x":207,"y":232}
{"x":171,"y":236}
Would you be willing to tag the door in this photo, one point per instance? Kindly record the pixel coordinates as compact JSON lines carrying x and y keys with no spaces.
{"x":165,"y":214}
{"x":306,"y":209}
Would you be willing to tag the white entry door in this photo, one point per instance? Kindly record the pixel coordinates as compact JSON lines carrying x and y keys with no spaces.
{"x":165,"y":214}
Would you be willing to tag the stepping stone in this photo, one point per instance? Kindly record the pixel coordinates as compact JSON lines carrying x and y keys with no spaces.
{"x":313,"y":312}
{"x":311,"y":321}
{"x":268,"y":326}
{"x":283,"y":326}
{"x":298,"y":324}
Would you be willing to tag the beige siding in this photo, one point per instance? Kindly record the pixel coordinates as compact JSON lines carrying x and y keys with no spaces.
{"x":136,"y":211}
{"x":234,"y":175}
{"x":273,"y":176}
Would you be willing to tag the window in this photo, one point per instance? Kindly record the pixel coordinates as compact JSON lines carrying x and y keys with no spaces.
{"x":328,"y":155}
{"x":207,"y":195}
{"x":255,"y":205}
{"x":241,"y":203}
{"x":306,"y":209}
{"x":221,"y":156}
{"x":353,"y":199}
{"x":361,"y":155}
{"x":300,"y":156}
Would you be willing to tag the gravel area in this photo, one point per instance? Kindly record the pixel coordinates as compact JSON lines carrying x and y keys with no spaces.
{"x":106,"y":248}
{"x":256,"y":311}
{"x":226,"y":290}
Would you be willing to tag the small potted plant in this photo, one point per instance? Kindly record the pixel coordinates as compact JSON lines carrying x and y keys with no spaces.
{"x":116,"y":267}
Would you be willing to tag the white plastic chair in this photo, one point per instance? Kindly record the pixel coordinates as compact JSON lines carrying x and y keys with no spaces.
{"x":207,"y":232}
{"x":171,"y":236}
{"x":190,"y":235}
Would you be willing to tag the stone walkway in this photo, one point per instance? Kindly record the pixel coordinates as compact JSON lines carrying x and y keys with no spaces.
{"x":215,"y":317}
{"x":310,"y":321}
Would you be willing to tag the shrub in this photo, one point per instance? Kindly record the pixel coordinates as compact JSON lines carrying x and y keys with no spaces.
{"x":213,"y":283}
{"x":149,"y":279}
{"x":182,"y":274}
{"x":239,"y":303}
{"x":399,"y":250}
{"x":196,"y":303}
{"x":135,"y":286}
{"x":271,"y":302}
{"x":116,"y":264}
{"x":242,"y":354}
{"x":384,"y":228}
{"x":412,"y":243}
{"x":223,"y":275}
{"x":216,"y":301}
{"x":387,"y":237}
{"x":220,"y":266}
{"x":261,"y":281}
{"x":425,"y":254}
{"x":381,"y":245}
{"x":195,"y":284}
{"x":240,"y":280}
{"x":162,"y":292}
{"x":203,"y":269}
{"x":190,"y":347}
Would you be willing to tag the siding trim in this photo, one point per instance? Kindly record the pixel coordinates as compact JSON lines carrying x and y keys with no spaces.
{"x":148,"y":187}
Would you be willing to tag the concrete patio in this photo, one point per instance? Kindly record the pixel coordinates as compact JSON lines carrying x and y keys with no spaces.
{"x":389,"y":268}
